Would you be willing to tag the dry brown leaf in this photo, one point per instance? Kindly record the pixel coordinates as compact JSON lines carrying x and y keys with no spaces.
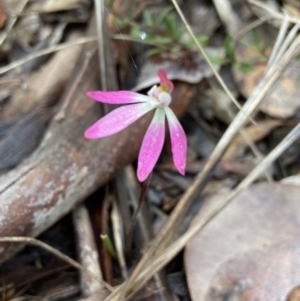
{"x":46,"y":84}
{"x":292,"y":7}
{"x":176,"y":71}
{"x":3,"y":16}
{"x":255,"y":133}
{"x":249,"y":251}
{"x":48,"y":6}
{"x":120,"y":8}
{"x":292,"y":180}
{"x":284,"y":100}
{"x":26,"y":32}
{"x":12,"y":6}
{"x":247,"y":81}
{"x":294,"y":295}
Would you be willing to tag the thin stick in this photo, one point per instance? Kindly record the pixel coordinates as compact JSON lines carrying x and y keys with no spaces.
{"x":117,"y":231}
{"x":62,"y":256}
{"x":249,"y":27}
{"x":251,"y":145}
{"x":99,"y":10}
{"x":87,"y":251}
{"x":39,"y":53}
{"x":228,"y":16}
{"x":287,"y":42}
{"x":282,"y":32}
{"x":61,"y":114}
{"x":217,"y":75}
{"x":12,"y":22}
{"x":142,"y":197}
{"x":272,"y":12}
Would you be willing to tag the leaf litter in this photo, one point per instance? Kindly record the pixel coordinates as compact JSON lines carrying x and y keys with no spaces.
{"x":250,"y":250}
{"x":48,"y":170}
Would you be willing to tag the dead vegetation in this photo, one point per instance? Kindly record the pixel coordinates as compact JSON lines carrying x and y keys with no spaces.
{"x":75,"y":224}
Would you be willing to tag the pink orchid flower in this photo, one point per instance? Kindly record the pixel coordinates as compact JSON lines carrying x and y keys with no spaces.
{"x":158,"y":98}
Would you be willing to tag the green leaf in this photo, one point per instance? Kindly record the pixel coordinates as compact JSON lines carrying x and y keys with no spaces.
{"x":202,"y":39}
{"x":229,"y":49}
{"x":135,"y":32}
{"x":162,"y":15}
{"x":172,"y":27}
{"x":176,"y":49}
{"x":154,"y":51}
{"x":109,"y":246}
{"x":120,"y":22}
{"x":244,"y":67}
{"x":246,"y":43}
{"x":109,"y":3}
{"x":148,"y":18}
{"x":257,"y":38}
{"x":159,"y":40}
{"x":215,"y":59}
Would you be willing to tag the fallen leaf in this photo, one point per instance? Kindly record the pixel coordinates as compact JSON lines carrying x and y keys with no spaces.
{"x":3,"y":16}
{"x":48,"y":6}
{"x":292,"y":180}
{"x":255,"y":133}
{"x":292,"y":8}
{"x":294,"y":295}
{"x":27,"y":31}
{"x":250,"y":250}
{"x":201,"y":70}
{"x":283,"y":102}
{"x":44,"y":86}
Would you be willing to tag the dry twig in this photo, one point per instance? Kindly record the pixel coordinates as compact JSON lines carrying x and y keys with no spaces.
{"x":42,"y":52}
{"x":12,"y":21}
{"x":70,"y":261}
{"x":100,"y":18}
{"x":87,"y":252}
{"x":272,"y":12}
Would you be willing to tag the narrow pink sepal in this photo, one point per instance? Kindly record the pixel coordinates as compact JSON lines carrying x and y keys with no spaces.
{"x":117,"y":120}
{"x":164,"y":81}
{"x":178,"y":141}
{"x":117,"y":97}
{"x":152,"y":145}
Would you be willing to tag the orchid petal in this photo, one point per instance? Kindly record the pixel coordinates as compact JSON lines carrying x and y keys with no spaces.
{"x":164,"y":81}
{"x":178,"y":141}
{"x":117,"y":120}
{"x":117,"y":97}
{"x":152,"y":145}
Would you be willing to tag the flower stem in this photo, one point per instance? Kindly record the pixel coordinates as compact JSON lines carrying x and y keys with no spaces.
{"x":142,"y":197}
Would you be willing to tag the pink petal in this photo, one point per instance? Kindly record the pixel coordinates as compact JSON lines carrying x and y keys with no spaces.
{"x":117,"y":97}
{"x":178,"y":141}
{"x":164,"y":81}
{"x":117,"y":120}
{"x":152,"y":145}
